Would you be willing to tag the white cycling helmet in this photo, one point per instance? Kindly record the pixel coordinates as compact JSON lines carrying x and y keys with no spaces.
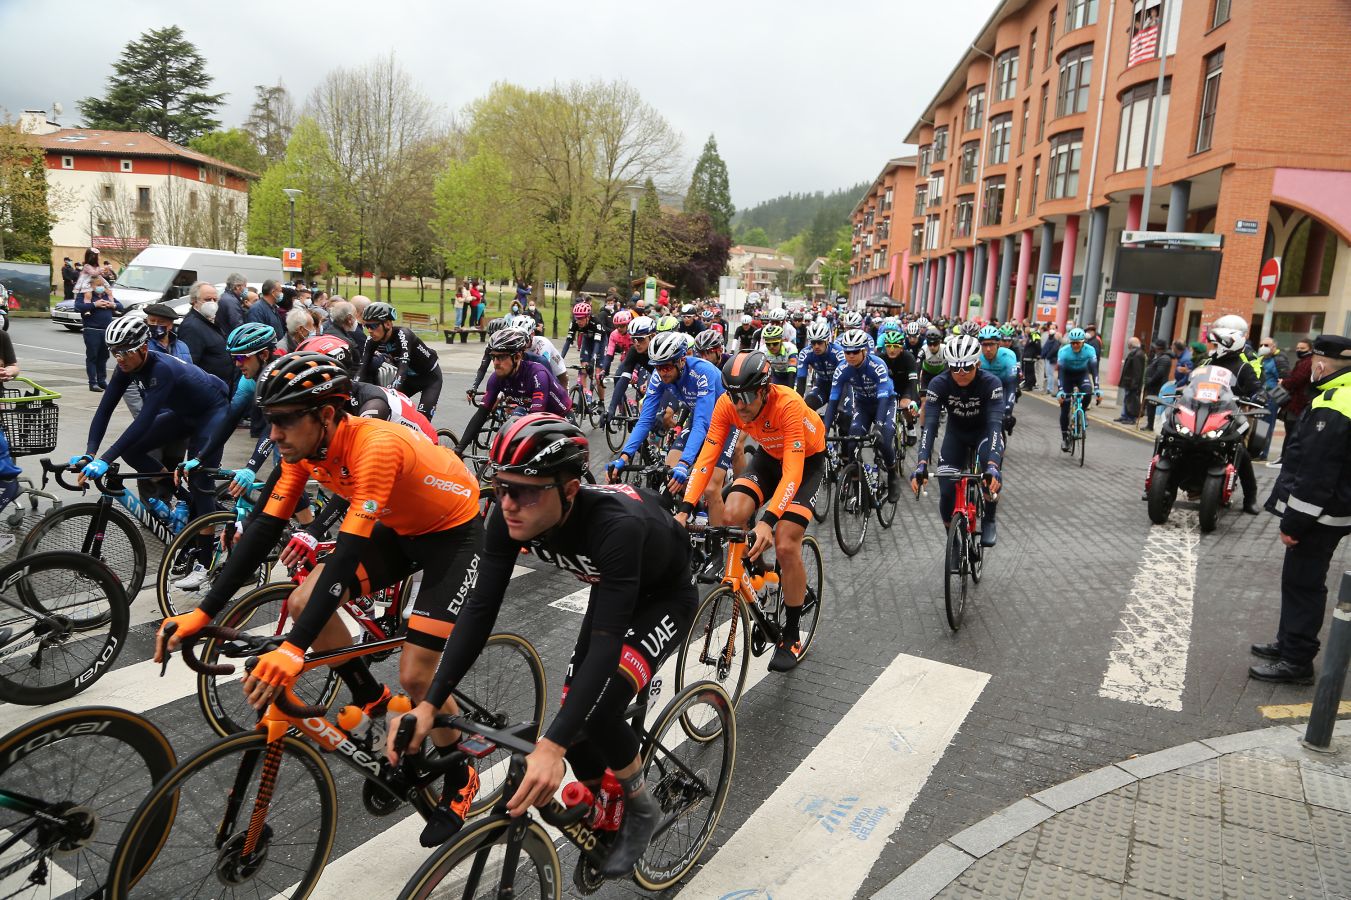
{"x":961,"y":351}
{"x":642,"y":326}
{"x":852,"y":320}
{"x":855,"y":339}
{"x":667,"y":347}
{"x":522,"y":323}
{"x":1228,"y":334}
{"x":127,"y":333}
{"x":745,"y":320}
{"x":818,"y":331}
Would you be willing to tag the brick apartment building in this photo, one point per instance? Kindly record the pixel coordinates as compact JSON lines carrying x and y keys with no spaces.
{"x":881,"y":239}
{"x":1032,"y":160}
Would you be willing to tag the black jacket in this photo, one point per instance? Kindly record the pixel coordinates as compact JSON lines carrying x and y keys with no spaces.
{"x":1156,"y":373}
{"x":1133,"y":369}
{"x":207,"y":346}
{"x":1314,"y":487}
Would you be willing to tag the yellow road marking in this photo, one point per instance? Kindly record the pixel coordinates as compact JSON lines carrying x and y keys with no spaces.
{"x":1299,"y":710}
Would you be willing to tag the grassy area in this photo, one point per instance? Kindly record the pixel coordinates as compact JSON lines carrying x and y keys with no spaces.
{"x":405,"y":299}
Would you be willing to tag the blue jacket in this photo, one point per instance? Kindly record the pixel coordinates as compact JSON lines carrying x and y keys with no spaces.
{"x":169,"y":385}
{"x":698,"y":387}
{"x":264,"y":312}
{"x":871,"y":383}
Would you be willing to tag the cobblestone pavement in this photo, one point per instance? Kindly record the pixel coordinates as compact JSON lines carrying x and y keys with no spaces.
{"x":895,"y":734}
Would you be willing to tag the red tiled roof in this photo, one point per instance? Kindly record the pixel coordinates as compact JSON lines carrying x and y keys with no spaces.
{"x":128,"y":143}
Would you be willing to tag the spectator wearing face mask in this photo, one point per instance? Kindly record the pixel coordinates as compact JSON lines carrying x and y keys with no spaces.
{"x":198,"y":331}
{"x":1275,"y":367}
{"x":299,"y":325}
{"x":1296,"y":383}
{"x":96,"y":307}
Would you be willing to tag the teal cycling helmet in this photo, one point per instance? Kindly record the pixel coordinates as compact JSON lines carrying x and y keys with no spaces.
{"x":893,"y":338}
{"x":251,"y":337}
{"x":988,"y":333}
{"x":1006,"y":332}
{"x":1076,"y":334}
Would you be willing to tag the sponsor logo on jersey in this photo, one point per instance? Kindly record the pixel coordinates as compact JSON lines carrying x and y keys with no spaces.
{"x":446,"y":484}
{"x":579,"y":565}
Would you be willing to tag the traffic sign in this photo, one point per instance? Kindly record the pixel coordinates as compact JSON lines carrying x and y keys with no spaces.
{"x":1175,"y":238}
{"x":292,"y":260}
{"x":1269,"y":279}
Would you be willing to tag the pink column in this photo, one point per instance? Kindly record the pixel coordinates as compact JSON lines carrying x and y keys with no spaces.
{"x":905,"y":275}
{"x":967,"y":265}
{"x":948,"y":288}
{"x":897,"y":292}
{"x":991,"y":279}
{"x":933,"y":287}
{"x":1024,"y":266}
{"x":1124,"y":302}
{"x":1062,"y":313}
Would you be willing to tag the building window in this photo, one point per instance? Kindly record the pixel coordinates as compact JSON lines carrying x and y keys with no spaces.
{"x":1001,"y":135}
{"x":1041,"y":122}
{"x":931,"y":232}
{"x":992,"y":203}
{"x":103,"y":226}
{"x":1006,"y":74}
{"x":884,"y":229}
{"x":126,"y":165}
{"x":1031,"y":55}
{"x":1137,"y":107}
{"x":966,"y":173}
{"x":886,"y":200}
{"x":1036,"y":183}
{"x":925,"y":159}
{"x":936,"y":189}
{"x":143,"y":199}
{"x":975,"y":108}
{"x":1017,"y":192}
{"x":192,"y":200}
{"x":1076,"y":73}
{"x":921,"y":198}
{"x":1066,"y":152}
{"x":940,"y":144}
{"x":1027,"y":123}
{"x":966,"y":207}
{"x":1080,"y":14}
{"x":1050,"y":38}
{"x":1210,"y":99}
{"x":143,"y":230}
{"x":916,"y":238}
{"x":107,"y":192}
{"x":201,"y":173}
{"x":67,"y":162}
{"x":1221,"y":13}
{"x":1144,"y":32}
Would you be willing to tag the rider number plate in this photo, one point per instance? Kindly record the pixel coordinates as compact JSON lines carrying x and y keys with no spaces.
{"x":1207,"y":392}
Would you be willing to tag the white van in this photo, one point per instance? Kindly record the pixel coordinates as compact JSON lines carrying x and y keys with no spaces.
{"x":161,"y":273}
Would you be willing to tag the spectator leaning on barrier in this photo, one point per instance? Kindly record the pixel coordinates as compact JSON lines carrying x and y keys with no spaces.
{"x":1313,"y":498}
{"x":198,"y":331}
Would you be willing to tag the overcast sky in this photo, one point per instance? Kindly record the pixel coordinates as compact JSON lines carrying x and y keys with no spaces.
{"x":777,"y":82}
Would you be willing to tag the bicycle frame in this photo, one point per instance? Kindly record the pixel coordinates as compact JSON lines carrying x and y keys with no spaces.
{"x":746,"y":578}
{"x":111,"y":488}
{"x":1077,"y":413}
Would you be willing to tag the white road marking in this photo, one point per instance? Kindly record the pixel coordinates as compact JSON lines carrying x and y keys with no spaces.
{"x":51,"y":349}
{"x":574,"y":602}
{"x":822,"y":830}
{"x":1148,"y":664}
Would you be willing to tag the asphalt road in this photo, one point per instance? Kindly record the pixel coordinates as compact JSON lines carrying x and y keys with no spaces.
{"x":1093,"y":636}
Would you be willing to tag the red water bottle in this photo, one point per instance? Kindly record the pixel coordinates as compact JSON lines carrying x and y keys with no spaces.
{"x":578,"y":794}
{"x":610,"y":804}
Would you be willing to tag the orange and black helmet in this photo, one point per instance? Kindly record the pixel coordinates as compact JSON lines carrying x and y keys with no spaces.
{"x":746,"y":372}
{"x":304,"y":378}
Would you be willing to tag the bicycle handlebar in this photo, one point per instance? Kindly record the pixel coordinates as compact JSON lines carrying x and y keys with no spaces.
{"x":739,"y":533}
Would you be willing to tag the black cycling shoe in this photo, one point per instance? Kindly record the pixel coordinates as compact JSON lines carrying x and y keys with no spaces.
{"x":642,"y":815}
{"x":712,"y":570}
{"x":988,"y":534}
{"x":448,"y":816}
{"x":1250,"y":508}
{"x":1266,"y":651}
{"x":787,"y":654}
{"x":893,"y":486}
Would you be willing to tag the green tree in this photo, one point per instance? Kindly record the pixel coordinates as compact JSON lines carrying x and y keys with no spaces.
{"x":821,"y":237}
{"x":271,"y":119}
{"x":755,"y":237}
{"x":26,"y":215}
{"x":320,"y":211}
{"x":159,"y":85}
{"x":235,"y":146}
{"x":709,"y":192}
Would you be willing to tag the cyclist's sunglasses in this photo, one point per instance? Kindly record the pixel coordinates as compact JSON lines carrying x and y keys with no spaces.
{"x":286,"y":419}
{"x":743,"y":398}
{"x":962,"y":368}
{"x":521,"y":494}
{"x":501,"y":357}
{"x":123,"y":354}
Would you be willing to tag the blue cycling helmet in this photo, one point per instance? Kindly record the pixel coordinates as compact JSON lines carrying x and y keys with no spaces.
{"x":1076,"y":334}
{"x":988,"y":333}
{"x":251,"y":337}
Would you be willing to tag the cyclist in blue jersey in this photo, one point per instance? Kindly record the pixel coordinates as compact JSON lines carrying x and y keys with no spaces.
{"x":890,"y":323}
{"x":528,"y":384}
{"x":974,"y":401}
{"x":1078,"y":366}
{"x":874,"y":399}
{"x":1003,"y":364}
{"x":817,"y":364}
{"x":696,"y":383}
{"x":180,"y":402}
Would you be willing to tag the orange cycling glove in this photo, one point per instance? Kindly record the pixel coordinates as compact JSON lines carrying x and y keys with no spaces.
{"x":280,"y":667}
{"x":189,"y":623}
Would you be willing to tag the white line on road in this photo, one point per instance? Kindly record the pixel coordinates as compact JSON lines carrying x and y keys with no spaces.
{"x":1149,"y":662}
{"x":822,"y":830}
{"x":51,"y":350}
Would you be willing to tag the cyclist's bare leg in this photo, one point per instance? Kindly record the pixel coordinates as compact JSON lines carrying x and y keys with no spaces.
{"x":788,"y":554}
{"x":417,"y":665}
{"x":713,"y":496}
{"x":738,"y":509}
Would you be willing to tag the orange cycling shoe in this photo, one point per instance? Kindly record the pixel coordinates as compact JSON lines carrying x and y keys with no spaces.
{"x":450,"y":812}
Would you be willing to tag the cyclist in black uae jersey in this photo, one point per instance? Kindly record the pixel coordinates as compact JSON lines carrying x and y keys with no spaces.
{"x":621,"y":541}
{"x":419,"y":368}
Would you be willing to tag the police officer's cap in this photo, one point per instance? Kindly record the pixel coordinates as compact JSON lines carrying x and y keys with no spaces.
{"x":1333,"y":346}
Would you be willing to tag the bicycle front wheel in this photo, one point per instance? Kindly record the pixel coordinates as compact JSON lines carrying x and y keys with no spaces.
{"x":616,"y":430}
{"x":852,"y":506}
{"x":955,"y":571}
{"x":447,"y":438}
{"x":811,"y":604}
{"x":260,"y":612}
{"x":68,"y":528}
{"x":716,"y":649}
{"x":473,"y":865}
{"x":66,"y":615}
{"x":192,"y":831}
{"x":1083,"y":436}
{"x":690,"y":779}
{"x":821,"y":502}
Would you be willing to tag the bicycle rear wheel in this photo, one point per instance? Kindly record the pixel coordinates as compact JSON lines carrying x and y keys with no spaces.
{"x":192,"y":830}
{"x":955,"y":571}
{"x":886,"y":507}
{"x":220,"y":697}
{"x":811,"y":604}
{"x":92,"y":764}
{"x":852,"y":507}
{"x":447,"y":438}
{"x":66,"y":528}
{"x":66,"y":622}
{"x":471,"y":865}
{"x":182,"y":554}
{"x":716,"y":649}
{"x":690,"y":780}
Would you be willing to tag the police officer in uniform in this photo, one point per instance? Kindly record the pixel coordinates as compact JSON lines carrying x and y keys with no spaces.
{"x":1313,"y":498}
{"x":1229,"y":351}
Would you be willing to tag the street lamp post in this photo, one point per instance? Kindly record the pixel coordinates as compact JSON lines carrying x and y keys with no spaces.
{"x":634,"y":193}
{"x":361,"y":243}
{"x":291,"y":195}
